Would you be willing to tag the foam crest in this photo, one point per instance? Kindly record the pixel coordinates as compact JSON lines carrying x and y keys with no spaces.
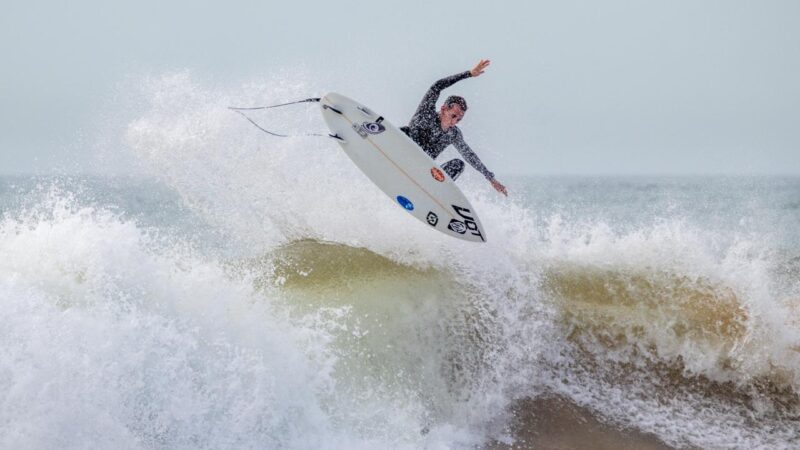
{"x":112,"y":340}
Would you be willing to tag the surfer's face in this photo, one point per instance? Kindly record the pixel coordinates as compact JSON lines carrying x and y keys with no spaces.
{"x":449,"y":117}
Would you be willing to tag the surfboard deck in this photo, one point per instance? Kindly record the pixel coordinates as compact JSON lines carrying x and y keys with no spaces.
{"x":400,"y":168}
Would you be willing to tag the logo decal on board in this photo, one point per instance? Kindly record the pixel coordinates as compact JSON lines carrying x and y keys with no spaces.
{"x":405,"y":203}
{"x":373,"y":128}
{"x":468,"y":224}
{"x":432,"y":218}
{"x":457,"y":226}
{"x":437,"y":174}
{"x":366,"y":128}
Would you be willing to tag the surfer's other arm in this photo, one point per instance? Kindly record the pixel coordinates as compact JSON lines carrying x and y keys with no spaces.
{"x":473,"y":160}
{"x":498,"y":186}
{"x":428,"y":103}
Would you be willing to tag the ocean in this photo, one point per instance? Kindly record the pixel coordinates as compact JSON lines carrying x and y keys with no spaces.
{"x":242,"y":291}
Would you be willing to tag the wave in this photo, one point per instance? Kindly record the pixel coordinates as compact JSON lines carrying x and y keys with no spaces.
{"x":321,"y":317}
{"x":661,"y":313}
{"x":424,"y":342}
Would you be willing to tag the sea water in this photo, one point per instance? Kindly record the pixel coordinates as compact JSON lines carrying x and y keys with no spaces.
{"x":239,"y":291}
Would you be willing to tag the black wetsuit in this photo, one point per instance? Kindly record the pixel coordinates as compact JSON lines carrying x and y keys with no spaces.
{"x":426,"y":130}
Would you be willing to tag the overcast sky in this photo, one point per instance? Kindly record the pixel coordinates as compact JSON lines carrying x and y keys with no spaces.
{"x":575,"y":87}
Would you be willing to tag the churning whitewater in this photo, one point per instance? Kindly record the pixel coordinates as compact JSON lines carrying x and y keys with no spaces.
{"x":244,"y":291}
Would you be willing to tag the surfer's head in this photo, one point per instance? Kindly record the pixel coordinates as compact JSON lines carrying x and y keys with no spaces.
{"x":456,"y":100}
{"x":452,"y":111}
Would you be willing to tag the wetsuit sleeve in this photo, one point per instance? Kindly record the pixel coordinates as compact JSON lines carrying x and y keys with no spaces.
{"x":471,"y":157}
{"x":429,"y":100}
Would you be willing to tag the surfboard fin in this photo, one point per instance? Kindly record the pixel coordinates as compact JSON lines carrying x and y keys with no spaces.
{"x":338,"y":138}
{"x":331,"y":108}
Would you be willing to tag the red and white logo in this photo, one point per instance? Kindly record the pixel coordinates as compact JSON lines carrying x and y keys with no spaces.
{"x":437,"y":174}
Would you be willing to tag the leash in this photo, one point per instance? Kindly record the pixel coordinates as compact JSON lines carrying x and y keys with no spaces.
{"x":239,"y":110}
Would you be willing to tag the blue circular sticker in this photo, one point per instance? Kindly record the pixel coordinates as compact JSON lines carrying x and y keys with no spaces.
{"x":405,"y":203}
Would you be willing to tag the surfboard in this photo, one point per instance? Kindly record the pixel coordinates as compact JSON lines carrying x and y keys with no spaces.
{"x":400,"y":168}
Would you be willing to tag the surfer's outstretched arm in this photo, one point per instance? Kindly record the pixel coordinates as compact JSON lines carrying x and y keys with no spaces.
{"x":433,"y":93}
{"x":429,"y":100}
{"x":427,"y":107}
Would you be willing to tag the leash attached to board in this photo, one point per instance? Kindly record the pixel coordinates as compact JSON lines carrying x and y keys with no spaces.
{"x":239,"y":110}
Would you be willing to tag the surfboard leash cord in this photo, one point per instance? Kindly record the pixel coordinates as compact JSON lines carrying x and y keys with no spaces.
{"x":253,"y":108}
{"x":239,"y":110}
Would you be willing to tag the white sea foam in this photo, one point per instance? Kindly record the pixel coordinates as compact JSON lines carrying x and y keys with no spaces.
{"x":112,"y":339}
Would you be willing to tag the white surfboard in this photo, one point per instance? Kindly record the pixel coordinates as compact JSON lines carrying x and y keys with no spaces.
{"x":400,"y":168}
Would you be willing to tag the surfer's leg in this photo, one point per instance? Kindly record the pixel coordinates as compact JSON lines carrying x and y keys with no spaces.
{"x":454,"y":167}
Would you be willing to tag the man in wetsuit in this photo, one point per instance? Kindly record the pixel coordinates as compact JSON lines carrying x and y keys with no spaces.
{"x":435,"y":131}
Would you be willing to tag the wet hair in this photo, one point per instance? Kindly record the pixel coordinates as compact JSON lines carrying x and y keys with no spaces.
{"x":456,"y":100}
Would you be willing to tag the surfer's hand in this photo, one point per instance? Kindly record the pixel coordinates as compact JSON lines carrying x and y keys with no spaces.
{"x":480,"y":67}
{"x":499,"y":187}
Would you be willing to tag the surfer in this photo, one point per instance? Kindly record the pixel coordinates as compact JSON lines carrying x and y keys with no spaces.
{"x":435,"y":131}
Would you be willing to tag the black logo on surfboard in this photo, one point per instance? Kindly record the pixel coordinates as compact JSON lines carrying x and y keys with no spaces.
{"x":468,"y":223}
{"x":432,"y":218}
{"x":366,"y":128}
{"x":457,"y":226}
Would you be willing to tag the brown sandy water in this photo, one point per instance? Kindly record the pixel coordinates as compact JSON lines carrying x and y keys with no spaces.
{"x":555,"y":423}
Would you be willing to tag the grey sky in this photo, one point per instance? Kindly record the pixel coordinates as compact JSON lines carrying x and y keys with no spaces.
{"x":576,"y":87}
